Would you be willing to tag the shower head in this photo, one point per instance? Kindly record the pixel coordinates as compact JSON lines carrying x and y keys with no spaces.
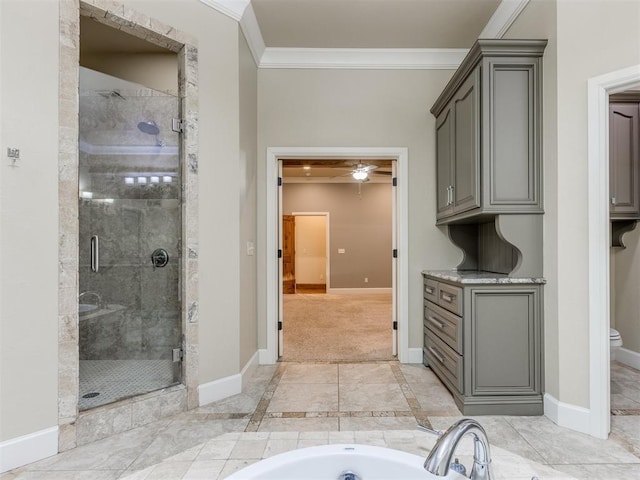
{"x":149,"y":127}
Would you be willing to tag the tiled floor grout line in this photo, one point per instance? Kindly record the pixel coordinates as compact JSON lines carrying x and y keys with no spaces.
{"x":263,"y":404}
{"x":414,"y":405}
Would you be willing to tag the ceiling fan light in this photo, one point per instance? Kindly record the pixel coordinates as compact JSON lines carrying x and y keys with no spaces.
{"x":360,"y":175}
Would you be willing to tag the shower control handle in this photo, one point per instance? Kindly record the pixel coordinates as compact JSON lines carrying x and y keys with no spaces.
{"x":159,"y":258}
{"x":95,"y":253}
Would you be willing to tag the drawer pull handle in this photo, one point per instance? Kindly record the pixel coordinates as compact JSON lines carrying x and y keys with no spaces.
{"x":447,"y":298}
{"x":439,"y":357}
{"x":428,"y":290}
{"x":437,"y":322}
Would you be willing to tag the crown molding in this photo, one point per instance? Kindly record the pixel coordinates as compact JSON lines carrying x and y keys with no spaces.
{"x":231,"y":8}
{"x":358,"y":58}
{"x":252,"y":33}
{"x":504,"y":16}
{"x":363,"y":58}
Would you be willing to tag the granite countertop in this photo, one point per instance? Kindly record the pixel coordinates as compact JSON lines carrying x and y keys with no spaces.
{"x":474,"y":277}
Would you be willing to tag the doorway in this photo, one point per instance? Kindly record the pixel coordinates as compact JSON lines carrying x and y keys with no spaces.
{"x":599,"y":89}
{"x":312,"y":247}
{"x":130,"y":235}
{"x":274,"y":234}
{"x":353,"y":320}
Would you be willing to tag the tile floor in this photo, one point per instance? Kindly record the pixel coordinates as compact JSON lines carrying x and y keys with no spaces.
{"x":113,"y":380}
{"x":294,"y":405}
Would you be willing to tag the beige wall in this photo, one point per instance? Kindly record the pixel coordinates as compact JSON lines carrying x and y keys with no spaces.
{"x":373,"y":108}
{"x":311,"y":249}
{"x":593,"y":38}
{"x":626,"y":291}
{"x":361,"y":224}
{"x":248,"y":101}
{"x":29,"y":218}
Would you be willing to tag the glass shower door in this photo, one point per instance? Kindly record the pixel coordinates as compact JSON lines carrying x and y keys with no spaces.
{"x":130,"y":240}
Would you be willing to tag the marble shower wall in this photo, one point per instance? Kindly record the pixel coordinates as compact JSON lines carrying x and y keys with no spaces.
{"x":131,"y":220}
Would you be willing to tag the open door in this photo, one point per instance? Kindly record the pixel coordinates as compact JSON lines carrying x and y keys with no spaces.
{"x":394,"y":263}
{"x":279,"y":279}
{"x":288,"y":254}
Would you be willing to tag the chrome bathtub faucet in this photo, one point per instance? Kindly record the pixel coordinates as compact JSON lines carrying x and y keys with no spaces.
{"x":438,"y":461}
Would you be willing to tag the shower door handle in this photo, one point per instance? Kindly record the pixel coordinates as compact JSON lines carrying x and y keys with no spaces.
{"x":95,"y":253}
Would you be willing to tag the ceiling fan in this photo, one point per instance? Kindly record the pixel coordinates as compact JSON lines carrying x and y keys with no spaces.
{"x":361,"y":171}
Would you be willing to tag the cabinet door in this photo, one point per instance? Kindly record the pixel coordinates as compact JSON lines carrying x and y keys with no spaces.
{"x":466,"y":150}
{"x":505,"y":342}
{"x":624,"y":160}
{"x":444,"y":156}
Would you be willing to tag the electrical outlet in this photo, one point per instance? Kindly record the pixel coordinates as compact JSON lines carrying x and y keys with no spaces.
{"x":366,"y":279}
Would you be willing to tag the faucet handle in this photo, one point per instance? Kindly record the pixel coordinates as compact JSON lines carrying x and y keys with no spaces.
{"x":422,"y":428}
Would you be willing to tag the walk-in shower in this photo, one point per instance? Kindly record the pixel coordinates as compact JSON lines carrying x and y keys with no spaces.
{"x":129,"y":239}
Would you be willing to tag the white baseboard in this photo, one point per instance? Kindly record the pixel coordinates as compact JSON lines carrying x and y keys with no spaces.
{"x":28,"y":448}
{"x":248,"y":369}
{"x":264,"y":358}
{"x":415,"y":355}
{"x":219,"y":389}
{"x":628,"y":357}
{"x":567,"y":415}
{"x":359,"y":290}
{"x":227,"y":386}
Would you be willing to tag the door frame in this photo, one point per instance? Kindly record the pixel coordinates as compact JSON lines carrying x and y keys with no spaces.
{"x":598,"y":90}
{"x":401,"y":156}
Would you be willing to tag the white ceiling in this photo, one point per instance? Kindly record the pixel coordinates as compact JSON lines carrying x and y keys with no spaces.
{"x":372,"y":23}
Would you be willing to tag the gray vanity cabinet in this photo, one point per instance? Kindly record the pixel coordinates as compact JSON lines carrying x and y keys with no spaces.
{"x":484,"y":341}
{"x":624,"y":160}
{"x":488,"y":130}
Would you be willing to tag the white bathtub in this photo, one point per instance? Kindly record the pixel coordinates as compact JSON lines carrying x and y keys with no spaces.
{"x":330,"y":462}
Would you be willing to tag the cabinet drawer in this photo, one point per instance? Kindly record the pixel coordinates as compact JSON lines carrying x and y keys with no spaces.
{"x":430,"y":290}
{"x":444,"y":324}
{"x":450,"y":298}
{"x":443,"y":360}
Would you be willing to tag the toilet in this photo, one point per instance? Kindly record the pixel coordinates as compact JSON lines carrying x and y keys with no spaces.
{"x":615,"y":342}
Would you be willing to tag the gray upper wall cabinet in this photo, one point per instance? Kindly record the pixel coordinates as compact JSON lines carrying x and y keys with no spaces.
{"x":624,"y":160}
{"x":488,"y":133}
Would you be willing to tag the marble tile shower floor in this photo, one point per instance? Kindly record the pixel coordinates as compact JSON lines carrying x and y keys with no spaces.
{"x":105,"y":381}
{"x":293,"y":405}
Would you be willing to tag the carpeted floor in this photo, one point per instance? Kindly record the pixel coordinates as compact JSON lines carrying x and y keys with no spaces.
{"x":333,"y":327}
